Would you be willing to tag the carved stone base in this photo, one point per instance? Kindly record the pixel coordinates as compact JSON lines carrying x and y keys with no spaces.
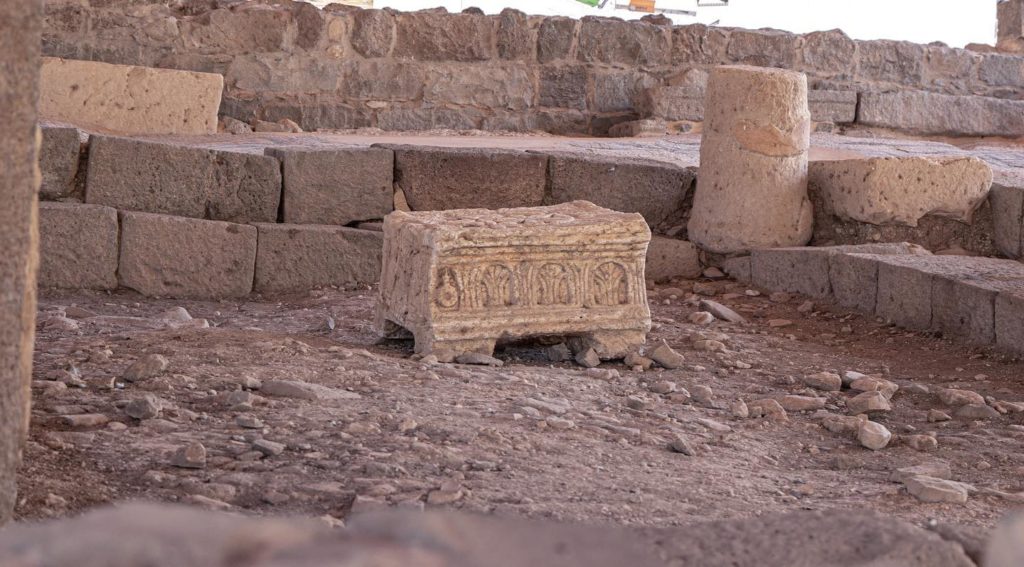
{"x":465,"y":280}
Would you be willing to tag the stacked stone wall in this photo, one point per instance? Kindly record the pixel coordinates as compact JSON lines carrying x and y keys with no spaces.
{"x":343,"y":67}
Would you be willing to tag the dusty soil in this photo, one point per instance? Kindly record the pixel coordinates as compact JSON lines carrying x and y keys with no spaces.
{"x":417,"y":428}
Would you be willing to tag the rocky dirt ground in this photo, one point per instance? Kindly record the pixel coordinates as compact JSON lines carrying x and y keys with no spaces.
{"x":300,"y":410}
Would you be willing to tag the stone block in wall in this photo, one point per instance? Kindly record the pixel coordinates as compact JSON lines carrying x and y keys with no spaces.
{"x":904,"y":294}
{"x":669,"y":258}
{"x":950,"y":70}
{"x":618,"y":91}
{"x":432,"y":36}
{"x":335,"y":186}
{"x":58,"y":160}
{"x":515,"y":39}
{"x":562,"y":122}
{"x":285,"y":73}
{"x":171,"y":256}
{"x":494,"y":86}
{"x":435,"y":178}
{"x":885,"y":61}
{"x":127,"y":99}
{"x":383,"y":80}
{"x":656,"y":190}
{"x":932,"y":113}
{"x":698,"y":44}
{"x":764,"y":48}
{"x":563,"y":86}
{"x":299,"y":257}
{"x":555,"y":38}
{"x":672,"y":103}
{"x":828,"y":54}
{"x":156,"y":177}
{"x":854,"y":281}
{"x":1010,"y":18}
{"x":373,"y":32}
{"x":406,"y":119}
{"x":837,"y":107}
{"x":615,"y":42}
{"x":309,"y":25}
{"x":242,"y":28}
{"x":1008,"y":219}
{"x":999,"y":70}
{"x":78,"y":246}
{"x":964,"y":308}
{"x":312,"y":112}
{"x":1009,"y":321}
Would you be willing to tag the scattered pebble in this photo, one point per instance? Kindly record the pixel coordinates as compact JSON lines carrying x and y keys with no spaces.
{"x":873,"y":435}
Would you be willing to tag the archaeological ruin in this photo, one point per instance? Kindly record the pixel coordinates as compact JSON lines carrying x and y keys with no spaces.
{"x":285,"y":284}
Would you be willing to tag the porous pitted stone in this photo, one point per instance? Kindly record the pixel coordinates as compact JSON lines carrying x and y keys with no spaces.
{"x":902,"y":190}
{"x":180,"y":257}
{"x":156,"y":177}
{"x":293,"y":257}
{"x":434,"y":178}
{"x":126,"y":99}
{"x":78,"y":246}
{"x":752,"y":188}
{"x":335,"y":186}
{"x":464,"y":279}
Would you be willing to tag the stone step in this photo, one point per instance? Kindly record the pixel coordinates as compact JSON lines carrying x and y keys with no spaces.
{"x":977,"y":298}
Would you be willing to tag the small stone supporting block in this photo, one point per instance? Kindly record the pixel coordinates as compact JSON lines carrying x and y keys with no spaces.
{"x":464,"y":280}
{"x":293,"y":257}
{"x":77,"y":246}
{"x":181,"y":257}
{"x":127,"y":99}
{"x":157,"y":177}
{"x":58,"y":160}
{"x":336,"y":186}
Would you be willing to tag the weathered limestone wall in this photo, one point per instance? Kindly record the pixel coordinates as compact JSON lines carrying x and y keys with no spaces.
{"x":343,"y":67}
{"x":20,"y":30}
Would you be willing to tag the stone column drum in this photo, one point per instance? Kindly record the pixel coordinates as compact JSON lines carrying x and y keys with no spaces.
{"x":752,"y":183}
{"x":20,"y":45}
{"x":463,"y":280}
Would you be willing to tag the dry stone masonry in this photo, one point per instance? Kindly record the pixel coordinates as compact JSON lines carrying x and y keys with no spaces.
{"x":341,"y":67}
{"x":462,"y":280}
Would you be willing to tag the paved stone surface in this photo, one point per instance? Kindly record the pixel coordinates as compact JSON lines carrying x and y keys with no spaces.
{"x":127,"y":99}
{"x":293,"y":257}
{"x":338,"y":186}
{"x":180,"y":257}
{"x":154,"y":177}
{"x":78,"y":246}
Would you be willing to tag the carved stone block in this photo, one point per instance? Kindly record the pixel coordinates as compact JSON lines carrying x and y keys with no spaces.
{"x":464,"y":280}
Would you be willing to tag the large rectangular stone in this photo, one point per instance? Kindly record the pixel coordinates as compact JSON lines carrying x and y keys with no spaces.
{"x":78,"y":246}
{"x":436,"y":178}
{"x":838,"y":107}
{"x":156,"y":177}
{"x":58,"y":160}
{"x":657,"y":190}
{"x":465,"y":280}
{"x":1008,"y":219}
{"x":294,"y":257}
{"x":429,"y":36}
{"x":615,"y":42}
{"x":335,"y":186}
{"x":932,"y":113}
{"x":127,"y":99}
{"x":904,"y":295}
{"x":672,"y":103}
{"x":170,"y":256}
